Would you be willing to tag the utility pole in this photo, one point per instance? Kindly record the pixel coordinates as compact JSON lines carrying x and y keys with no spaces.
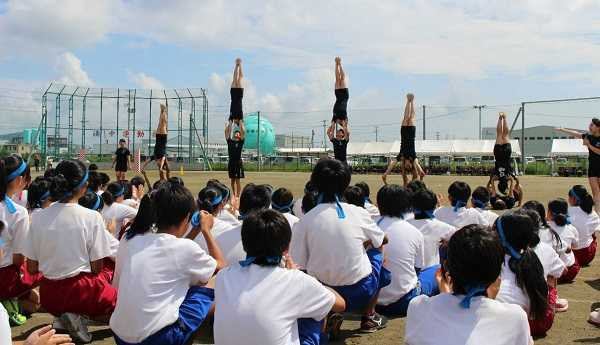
{"x":376,"y":133}
{"x":324,"y":133}
{"x":424,"y":123}
{"x":258,"y":142}
{"x":312,"y":138}
{"x":479,"y":107}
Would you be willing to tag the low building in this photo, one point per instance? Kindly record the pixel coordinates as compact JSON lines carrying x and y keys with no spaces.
{"x":292,"y":141}
{"x":538,"y":139}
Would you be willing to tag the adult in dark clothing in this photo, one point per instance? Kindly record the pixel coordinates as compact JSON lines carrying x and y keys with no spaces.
{"x":121,"y":160}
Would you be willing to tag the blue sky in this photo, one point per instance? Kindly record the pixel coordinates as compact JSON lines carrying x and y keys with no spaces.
{"x":449,"y":53}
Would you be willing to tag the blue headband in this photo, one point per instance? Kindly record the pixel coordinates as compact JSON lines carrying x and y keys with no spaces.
{"x":119,"y":192}
{"x":272,"y":260}
{"x":568,"y":218}
{"x":241,"y":216}
{"x":81,"y":183}
{"x":575,"y":196}
{"x":97,"y":203}
{"x":2,"y":242}
{"x":513,"y":253}
{"x":217,"y":200}
{"x":45,"y":196}
{"x":465,"y":303}
{"x":479,"y":203}
{"x":13,"y":175}
{"x":282,"y":208}
{"x":459,"y":204}
{"x":427,"y":213}
{"x":196,"y":217}
{"x":10,"y":205}
{"x":338,"y":206}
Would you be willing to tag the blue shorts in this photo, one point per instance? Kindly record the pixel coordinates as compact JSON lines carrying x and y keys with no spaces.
{"x":192,"y":313}
{"x":426,"y":285}
{"x":309,"y":331}
{"x":358,"y":295}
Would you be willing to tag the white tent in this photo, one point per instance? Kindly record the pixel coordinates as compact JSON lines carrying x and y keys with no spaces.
{"x":568,"y":147}
{"x":355,"y":148}
{"x":377,"y":148}
{"x":481,"y":147}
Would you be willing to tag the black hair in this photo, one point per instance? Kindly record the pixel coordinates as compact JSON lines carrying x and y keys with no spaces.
{"x":393,"y":201}
{"x":309,"y":201}
{"x":206,"y":200}
{"x":475,"y":258}
{"x":330,"y":177}
{"x":424,"y":200}
{"x":415,"y":186}
{"x":518,"y":230}
{"x":539,"y":208}
{"x":584,"y":200}
{"x":253,"y":198}
{"x":354,"y":195}
{"x":535,"y":218}
{"x":127,"y":190}
{"x":110,"y":195}
{"x":138,"y":181}
{"x":158,"y":183}
{"x":560,"y":210}
{"x":167,"y":206}
{"x":122,"y":140}
{"x":282,"y":200}
{"x":38,"y":189}
{"x":225,"y":191}
{"x":596,"y":122}
{"x":104,"y":179}
{"x":366,"y":190}
{"x":176,"y":179}
{"x":93,"y":167}
{"x":8,"y":165}
{"x":266,"y":233}
{"x":459,"y":192}
{"x":66,"y":182}
{"x":94,"y":182}
{"x":503,"y":185}
{"x":499,"y":205}
{"x":89,"y":200}
{"x":309,"y":187}
{"x":49,"y":173}
{"x":480,"y":197}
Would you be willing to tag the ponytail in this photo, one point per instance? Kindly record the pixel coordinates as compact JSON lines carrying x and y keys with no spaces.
{"x":145,"y":218}
{"x":11,"y":167}
{"x":209,"y":200}
{"x":70,"y":176}
{"x":559,"y":210}
{"x":38,"y":192}
{"x":113,"y":191}
{"x":582,"y":198}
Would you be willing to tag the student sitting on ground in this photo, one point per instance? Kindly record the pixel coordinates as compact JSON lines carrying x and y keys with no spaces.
{"x":282,"y":200}
{"x":163,"y":279}
{"x":458,"y":214}
{"x":114,"y":209}
{"x":209,"y":200}
{"x":404,"y":254}
{"x":480,"y":199}
{"x":586,"y":221}
{"x":228,"y":213}
{"x":265,"y":299}
{"x":558,"y":220}
{"x":329,"y":243}
{"x":465,"y":313}
{"x":373,"y":210}
{"x":522,"y":279}
{"x":435,"y":232}
{"x":38,"y":194}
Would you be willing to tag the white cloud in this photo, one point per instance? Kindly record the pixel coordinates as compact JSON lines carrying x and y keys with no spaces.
{"x":145,"y":81}
{"x":70,"y":71}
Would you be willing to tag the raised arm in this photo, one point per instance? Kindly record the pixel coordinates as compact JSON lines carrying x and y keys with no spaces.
{"x":228,"y":130}
{"x":330,"y":131}
{"x":243,"y":130}
{"x":570,"y":132}
{"x":346,"y":130}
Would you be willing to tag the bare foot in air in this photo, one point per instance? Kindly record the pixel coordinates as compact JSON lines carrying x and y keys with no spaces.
{"x":238,"y":61}
{"x":410,"y":97}
{"x":338,"y":60}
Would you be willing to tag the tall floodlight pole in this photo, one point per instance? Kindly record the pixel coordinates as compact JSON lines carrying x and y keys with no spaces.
{"x":479,"y":107}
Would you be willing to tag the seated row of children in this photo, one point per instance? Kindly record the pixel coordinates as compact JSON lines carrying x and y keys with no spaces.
{"x":157,"y":266}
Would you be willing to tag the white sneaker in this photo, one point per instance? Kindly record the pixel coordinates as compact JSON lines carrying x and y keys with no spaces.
{"x":595,"y":318}
{"x":561,"y":305}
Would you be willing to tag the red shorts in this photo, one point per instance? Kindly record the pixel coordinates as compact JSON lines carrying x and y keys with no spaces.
{"x":87,"y":294}
{"x":540,"y":327}
{"x":570,"y":273}
{"x":586,"y":255}
{"x":16,"y":281}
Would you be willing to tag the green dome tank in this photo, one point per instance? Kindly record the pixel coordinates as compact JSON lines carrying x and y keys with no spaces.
{"x":267,"y":133}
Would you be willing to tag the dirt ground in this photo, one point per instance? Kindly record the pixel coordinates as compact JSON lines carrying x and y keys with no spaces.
{"x":569,"y":328}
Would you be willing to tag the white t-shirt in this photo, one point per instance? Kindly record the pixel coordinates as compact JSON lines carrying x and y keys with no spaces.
{"x":568,"y":238}
{"x":261,"y":305}
{"x":434,"y":231}
{"x":5,"y":335}
{"x":441,"y":320}
{"x":332,"y":249}
{"x":403,"y":252}
{"x":153,"y":275}
{"x":120,"y":213}
{"x":218,"y":228}
{"x":15,"y":233}
{"x":372,"y":209}
{"x":131,"y":203}
{"x":553,"y":265}
{"x":462,"y":217}
{"x":292,"y":220}
{"x":489,"y":216}
{"x":230,"y":243}
{"x":20,"y":198}
{"x":226,"y":216}
{"x":509,"y":291}
{"x":297,"y":208}
{"x":65,"y":237}
{"x":586,"y":225}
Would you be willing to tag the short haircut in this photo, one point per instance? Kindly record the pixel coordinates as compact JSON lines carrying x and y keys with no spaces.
{"x":393,"y":201}
{"x":254,"y":197}
{"x":481,"y":194}
{"x":415,"y":186}
{"x":459,"y":191}
{"x":138,"y":181}
{"x":354,"y":196}
{"x":365,"y":188}
{"x":265,"y":233}
{"x":424,"y":200}
{"x":282,"y":200}
{"x":331,"y":178}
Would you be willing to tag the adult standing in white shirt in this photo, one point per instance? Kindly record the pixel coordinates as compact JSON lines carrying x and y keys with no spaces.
{"x":480,"y":200}
{"x":436,"y":233}
{"x":114,"y":210}
{"x":282,"y":200}
{"x":164,"y":295}
{"x":464,"y":313}
{"x":16,"y":281}
{"x":457,"y":214}
{"x":329,"y":243}
{"x":586,"y":221}
{"x":265,"y":298}
{"x":404,"y":253}
{"x":558,"y":219}
{"x":68,"y":245}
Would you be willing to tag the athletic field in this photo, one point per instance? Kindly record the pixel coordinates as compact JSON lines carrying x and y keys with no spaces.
{"x":569,"y":328}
